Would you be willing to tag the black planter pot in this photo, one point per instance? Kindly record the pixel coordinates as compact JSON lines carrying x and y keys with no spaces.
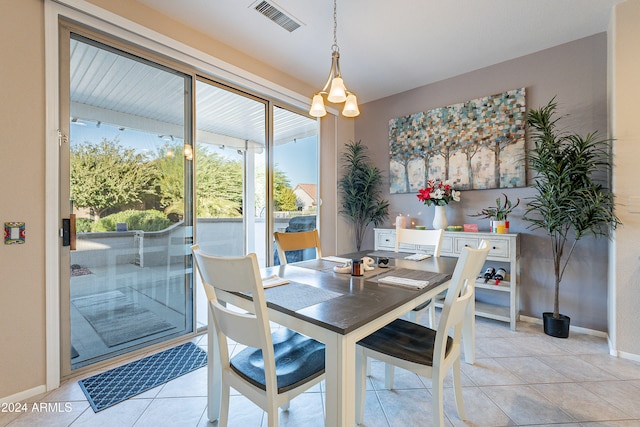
{"x":558,"y":328}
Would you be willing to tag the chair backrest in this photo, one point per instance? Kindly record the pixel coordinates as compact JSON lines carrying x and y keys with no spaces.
{"x":237,"y":274}
{"x":461,"y":291}
{"x":296,"y":241}
{"x":420,"y":237}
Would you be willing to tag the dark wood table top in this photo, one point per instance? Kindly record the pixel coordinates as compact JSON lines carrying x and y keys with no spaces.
{"x":343,"y":303}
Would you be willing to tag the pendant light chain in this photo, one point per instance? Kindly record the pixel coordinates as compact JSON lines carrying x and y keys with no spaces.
{"x":335,"y":26}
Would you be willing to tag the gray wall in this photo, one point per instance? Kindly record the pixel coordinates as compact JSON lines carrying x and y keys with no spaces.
{"x":576,"y":73}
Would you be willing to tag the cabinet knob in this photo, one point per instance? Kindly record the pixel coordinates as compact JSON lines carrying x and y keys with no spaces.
{"x":493,"y":247}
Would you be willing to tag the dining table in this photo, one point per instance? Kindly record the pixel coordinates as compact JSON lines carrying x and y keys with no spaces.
{"x":339,"y":309}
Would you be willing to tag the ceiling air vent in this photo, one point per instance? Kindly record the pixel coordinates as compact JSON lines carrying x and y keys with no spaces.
{"x":277,"y":15}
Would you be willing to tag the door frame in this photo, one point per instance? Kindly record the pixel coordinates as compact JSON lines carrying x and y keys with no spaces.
{"x":116,"y":26}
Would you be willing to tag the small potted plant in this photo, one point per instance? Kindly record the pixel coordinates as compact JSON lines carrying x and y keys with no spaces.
{"x":498,"y":214}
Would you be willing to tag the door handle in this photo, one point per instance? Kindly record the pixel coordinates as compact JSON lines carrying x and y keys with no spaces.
{"x":69,"y":232}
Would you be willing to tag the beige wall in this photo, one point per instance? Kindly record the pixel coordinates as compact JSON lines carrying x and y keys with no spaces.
{"x":22,"y":154}
{"x":575,"y":72}
{"x":22,"y":172}
{"x":625,"y":295}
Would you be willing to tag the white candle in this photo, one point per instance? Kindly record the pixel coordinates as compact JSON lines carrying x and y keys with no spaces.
{"x":401,"y":221}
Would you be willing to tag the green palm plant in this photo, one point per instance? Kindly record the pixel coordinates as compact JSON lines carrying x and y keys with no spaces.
{"x":361,"y":191}
{"x":570,"y":201}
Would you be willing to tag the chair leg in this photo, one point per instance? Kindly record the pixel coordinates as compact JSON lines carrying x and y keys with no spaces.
{"x":224,"y":409}
{"x":272,"y":413}
{"x":285,"y":407}
{"x":432,"y":315}
{"x":457,"y":387}
{"x":437,"y":384}
{"x":388,"y":376}
{"x":361,"y":390}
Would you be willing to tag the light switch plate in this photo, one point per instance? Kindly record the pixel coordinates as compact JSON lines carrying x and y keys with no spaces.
{"x":14,"y":233}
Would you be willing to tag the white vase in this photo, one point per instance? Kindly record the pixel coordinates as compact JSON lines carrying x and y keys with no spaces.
{"x":440,"y":218}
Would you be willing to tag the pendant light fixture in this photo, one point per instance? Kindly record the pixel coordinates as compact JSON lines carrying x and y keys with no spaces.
{"x":335,"y":88}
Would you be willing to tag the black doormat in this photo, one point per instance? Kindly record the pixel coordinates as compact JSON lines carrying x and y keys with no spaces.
{"x":119,"y":384}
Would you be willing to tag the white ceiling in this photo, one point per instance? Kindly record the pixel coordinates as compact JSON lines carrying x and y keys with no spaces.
{"x":386,"y":46}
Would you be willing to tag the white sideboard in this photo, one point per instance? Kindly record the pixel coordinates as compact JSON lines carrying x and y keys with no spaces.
{"x":493,"y":301}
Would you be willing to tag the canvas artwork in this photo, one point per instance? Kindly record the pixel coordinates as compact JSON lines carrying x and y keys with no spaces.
{"x":478,"y":144}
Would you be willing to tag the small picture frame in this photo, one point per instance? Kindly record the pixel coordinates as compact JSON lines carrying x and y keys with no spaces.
{"x":14,"y":233}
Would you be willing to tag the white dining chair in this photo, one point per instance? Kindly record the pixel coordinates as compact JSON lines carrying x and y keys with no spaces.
{"x":274,"y":368}
{"x":286,"y":242}
{"x":432,"y":240}
{"x":427,"y":352}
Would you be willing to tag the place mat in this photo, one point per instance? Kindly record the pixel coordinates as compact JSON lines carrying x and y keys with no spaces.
{"x":119,"y":384}
{"x":387,"y":254}
{"x":407,"y":273}
{"x":317,"y":264}
{"x":296,"y":296}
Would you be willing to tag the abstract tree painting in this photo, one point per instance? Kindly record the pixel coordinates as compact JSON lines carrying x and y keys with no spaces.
{"x":477,"y":144}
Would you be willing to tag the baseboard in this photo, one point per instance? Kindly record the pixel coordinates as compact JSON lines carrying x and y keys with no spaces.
{"x":24,"y":395}
{"x":612,"y":351}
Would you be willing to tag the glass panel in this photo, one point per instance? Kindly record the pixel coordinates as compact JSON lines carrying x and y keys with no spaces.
{"x":230,"y":176}
{"x":295,"y":185}
{"x":130,"y":174}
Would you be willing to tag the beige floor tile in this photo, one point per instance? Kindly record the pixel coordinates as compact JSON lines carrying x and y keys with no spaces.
{"x":621,"y":394}
{"x":488,"y":371}
{"x":192,"y":384}
{"x":175,"y":412}
{"x":576,"y":400}
{"x":123,"y":414}
{"x":524,"y":405}
{"x":531,"y":370}
{"x":374,"y":416}
{"x":480,"y":410}
{"x":576,"y":368}
{"x":408,"y":408}
{"x":620,"y":368}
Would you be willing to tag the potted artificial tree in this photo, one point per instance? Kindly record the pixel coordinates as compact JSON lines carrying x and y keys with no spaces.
{"x":361,"y":191}
{"x":498,"y":215}
{"x":570,"y":202}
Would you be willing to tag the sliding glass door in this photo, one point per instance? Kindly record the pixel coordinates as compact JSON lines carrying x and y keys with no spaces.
{"x":127,"y":173}
{"x":157,"y":157}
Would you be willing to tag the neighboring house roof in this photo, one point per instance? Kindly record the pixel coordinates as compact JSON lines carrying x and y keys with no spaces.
{"x":310,"y":190}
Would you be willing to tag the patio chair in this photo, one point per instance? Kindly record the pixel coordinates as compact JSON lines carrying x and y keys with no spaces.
{"x":286,"y":242}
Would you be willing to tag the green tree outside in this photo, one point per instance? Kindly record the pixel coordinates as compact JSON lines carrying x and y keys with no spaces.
{"x":106,"y":175}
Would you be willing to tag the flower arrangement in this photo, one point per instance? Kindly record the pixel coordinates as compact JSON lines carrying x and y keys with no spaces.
{"x":438,"y":193}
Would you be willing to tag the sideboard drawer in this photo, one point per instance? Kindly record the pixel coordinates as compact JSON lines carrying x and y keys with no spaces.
{"x":461,"y":242}
{"x":499,"y":248}
{"x":447,"y":245}
{"x":386,"y":240}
